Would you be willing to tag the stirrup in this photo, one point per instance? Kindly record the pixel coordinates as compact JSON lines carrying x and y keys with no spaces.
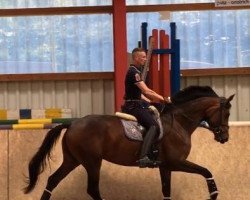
{"x":146,"y":162}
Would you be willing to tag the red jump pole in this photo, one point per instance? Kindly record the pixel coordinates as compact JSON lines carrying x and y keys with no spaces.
{"x":120,"y":50}
{"x":154,"y":65}
{"x":164,"y":81}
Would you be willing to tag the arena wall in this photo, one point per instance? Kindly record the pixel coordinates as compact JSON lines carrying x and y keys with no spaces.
{"x":228,"y":162}
{"x":96,"y":96}
{"x":226,"y":85}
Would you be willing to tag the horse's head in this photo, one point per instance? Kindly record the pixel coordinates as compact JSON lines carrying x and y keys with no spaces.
{"x":217,"y":118}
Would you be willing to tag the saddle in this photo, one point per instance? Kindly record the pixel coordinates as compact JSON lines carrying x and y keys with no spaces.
{"x":133,"y":130}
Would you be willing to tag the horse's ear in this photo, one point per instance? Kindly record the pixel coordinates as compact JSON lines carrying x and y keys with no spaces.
{"x":230,"y":98}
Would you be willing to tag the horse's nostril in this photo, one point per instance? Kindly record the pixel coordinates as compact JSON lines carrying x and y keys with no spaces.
{"x":224,"y":140}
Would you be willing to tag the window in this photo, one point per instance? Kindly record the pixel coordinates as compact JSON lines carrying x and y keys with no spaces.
{"x":51,"y":3}
{"x":84,"y":43}
{"x":208,"y":39}
{"x":75,"y":43}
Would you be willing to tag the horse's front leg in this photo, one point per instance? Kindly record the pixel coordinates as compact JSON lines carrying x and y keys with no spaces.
{"x":165,"y":182}
{"x":212,"y":188}
{"x":189,"y":167}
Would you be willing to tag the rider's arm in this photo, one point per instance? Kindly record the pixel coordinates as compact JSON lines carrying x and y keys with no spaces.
{"x":145,"y":98}
{"x":150,"y":94}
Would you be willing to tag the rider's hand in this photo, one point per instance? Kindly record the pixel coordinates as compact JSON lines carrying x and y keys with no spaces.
{"x":167,"y":99}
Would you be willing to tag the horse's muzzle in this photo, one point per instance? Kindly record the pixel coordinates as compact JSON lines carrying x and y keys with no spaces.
{"x":221,"y":136}
{"x":222,"y":141}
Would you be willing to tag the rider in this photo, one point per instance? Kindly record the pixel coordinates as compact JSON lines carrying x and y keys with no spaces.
{"x":137,"y":101}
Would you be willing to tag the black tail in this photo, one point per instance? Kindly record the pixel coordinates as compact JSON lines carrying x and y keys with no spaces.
{"x":38,"y":162}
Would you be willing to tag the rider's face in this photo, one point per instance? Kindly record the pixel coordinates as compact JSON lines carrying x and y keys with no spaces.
{"x":140,"y":58}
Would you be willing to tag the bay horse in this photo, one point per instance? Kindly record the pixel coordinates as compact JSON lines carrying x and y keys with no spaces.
{"x":89,"y":140}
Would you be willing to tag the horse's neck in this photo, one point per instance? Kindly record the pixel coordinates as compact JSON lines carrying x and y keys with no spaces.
{"x":190,"y":114}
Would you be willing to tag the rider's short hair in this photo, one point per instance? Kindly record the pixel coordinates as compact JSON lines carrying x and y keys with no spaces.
{"x":137,"y":49}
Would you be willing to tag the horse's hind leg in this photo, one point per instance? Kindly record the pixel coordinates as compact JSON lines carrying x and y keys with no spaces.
{"x":56,"y":178}
{"x":69,"y":163}
{"x":93,"y":171}
{"x":166,"y":182}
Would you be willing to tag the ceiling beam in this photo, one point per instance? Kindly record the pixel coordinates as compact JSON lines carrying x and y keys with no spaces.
{"x":181,"y":7}
{"x":18,"y":12}
{"x":79,"y":10}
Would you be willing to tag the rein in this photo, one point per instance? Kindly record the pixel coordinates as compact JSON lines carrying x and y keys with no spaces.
{"x":216,"y":129}
{"x":183,"y":114}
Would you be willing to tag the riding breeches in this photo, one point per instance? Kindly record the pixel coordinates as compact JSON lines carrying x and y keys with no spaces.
{"x":142,"y":113}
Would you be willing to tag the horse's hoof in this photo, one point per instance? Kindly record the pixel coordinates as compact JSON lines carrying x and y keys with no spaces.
{"x":213,"y":195}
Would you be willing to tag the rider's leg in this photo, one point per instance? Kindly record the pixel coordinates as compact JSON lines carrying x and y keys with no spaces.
{"x":147,"y":120}
{"x":147,"y":147}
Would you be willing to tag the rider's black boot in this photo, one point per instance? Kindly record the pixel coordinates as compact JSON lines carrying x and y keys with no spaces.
{"x":148,"y":142}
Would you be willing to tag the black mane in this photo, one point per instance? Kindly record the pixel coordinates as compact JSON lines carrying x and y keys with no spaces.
{"x":191,"y":93}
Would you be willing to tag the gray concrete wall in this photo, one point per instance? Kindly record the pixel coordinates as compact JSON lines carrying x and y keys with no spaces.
{"x":229,"y":164}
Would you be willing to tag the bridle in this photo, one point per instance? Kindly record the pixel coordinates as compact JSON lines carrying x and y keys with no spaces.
{"x":217,"y":128}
